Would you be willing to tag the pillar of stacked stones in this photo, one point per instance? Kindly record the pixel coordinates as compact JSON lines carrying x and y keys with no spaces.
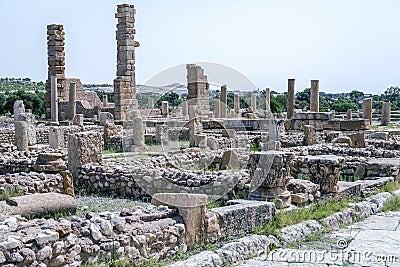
{"x":314,"y":96}
{"x":290,"y":108}
{"x":224,"y":101}
{"x":125,"y":83}
{"x":367,"y":109}
{"x":198,"y":87}
{"x":267,"y":99}
{"x":386,"y":112}
{"x":56,"y":62}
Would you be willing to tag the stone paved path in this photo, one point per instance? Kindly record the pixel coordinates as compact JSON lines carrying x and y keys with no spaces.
{"x":372,"y":242}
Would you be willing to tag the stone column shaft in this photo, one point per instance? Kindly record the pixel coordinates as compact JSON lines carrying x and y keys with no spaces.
{"x":236,"y":104}
{"x":267,"y":99}
{"x":349,"y":114}
{"x":367,"y":109}
{"x":72,"y":101}
{"x":54,"y":99}
{"x":105,"y":101}
{"x":224,"y":102}
{"x":290,"y":108}
{"x":386,"y":112}
{"x":254,"y":102}
{"x":217,"y":111}
{"x":314,"y":96}
{"x":185,"y":109}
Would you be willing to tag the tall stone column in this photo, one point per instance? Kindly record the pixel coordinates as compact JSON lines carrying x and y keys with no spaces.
{"x":54,"y":99}
{"x":267,"y":99}
{"x":217,"y":111}
{"x":125,"y":83}
{"x":236,"y":104}
{"x":198,"y":90}
{"x":56,"y":62}
{"x":254,"y":102}
{"x":224,"y":101}
{"x":72,"y":101}
{"x":314,"y":96}
{"x":386,"y":112}
{"x":367,"y":109}
{"x":290,"y":103}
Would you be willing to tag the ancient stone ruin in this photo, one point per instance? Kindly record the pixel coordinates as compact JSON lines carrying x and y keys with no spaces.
{"x":171,"y":164}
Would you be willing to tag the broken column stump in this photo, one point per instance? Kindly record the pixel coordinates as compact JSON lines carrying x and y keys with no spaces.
{"x":192,"y":208}
{"x":325,"y":171}
{"x":270,"y":174}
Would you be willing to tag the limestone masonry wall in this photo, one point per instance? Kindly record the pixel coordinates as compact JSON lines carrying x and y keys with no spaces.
{"x":135,"y":234}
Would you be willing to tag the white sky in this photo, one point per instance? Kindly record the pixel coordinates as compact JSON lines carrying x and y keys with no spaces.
{"x":346,"y":44}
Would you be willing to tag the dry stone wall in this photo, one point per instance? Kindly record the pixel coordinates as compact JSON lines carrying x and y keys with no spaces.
{"x":33,"y":182}
{"x":137,"y":234}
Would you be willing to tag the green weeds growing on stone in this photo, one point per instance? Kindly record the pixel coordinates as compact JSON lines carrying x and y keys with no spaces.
{"x":254,"y":147}
{"x":10,"y":192}
{"x":388,"y":187}
{"x":315,"y":211}
{"x":392,"y":205}
{"x":216,"y":204}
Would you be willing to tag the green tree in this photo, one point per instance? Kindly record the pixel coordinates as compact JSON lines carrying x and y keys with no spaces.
{"x":172,"y":98}
{"x":34,"y":101}
{"x":302,"y":99}
{"x":101,"y":93}
{"x":243,"y":100}
{"x":342,"y":104}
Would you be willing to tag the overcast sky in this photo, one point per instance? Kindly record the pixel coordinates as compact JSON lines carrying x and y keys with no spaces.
{"x":346,"y":44}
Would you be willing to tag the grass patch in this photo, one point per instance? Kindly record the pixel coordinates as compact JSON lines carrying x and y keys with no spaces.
{"x":216,"y":204}
{"x":392,"y":205}
{"x":388,"y":187}
{"x":313,"y":212}
{"x":10,"y":192}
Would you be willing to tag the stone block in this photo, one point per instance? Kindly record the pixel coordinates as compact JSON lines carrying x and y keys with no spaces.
{"x":83,"y":148}
{"x":56,"y":137}
{"x":105,"y":117}
{"x":353,"y":125}
{"x":357,"y":140}
{"x":78,"y":120}
{"x":230,"y":217}
{"x":229,"y":160}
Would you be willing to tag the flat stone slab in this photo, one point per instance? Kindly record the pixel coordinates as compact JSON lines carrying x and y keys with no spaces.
{"x":388,"y":221}
{"x":38,"y":204}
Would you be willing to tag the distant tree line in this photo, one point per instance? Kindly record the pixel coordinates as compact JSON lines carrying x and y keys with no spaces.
{"x":33,"y":95}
